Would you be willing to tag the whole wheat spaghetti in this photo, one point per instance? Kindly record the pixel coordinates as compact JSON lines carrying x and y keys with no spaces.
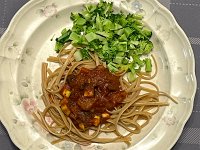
{"x":141,"y":103}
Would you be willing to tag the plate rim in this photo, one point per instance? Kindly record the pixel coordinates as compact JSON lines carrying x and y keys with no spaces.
{"x":17,"y":18}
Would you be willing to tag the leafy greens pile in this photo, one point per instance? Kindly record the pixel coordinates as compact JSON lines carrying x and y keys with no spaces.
{"x":118,"y":39}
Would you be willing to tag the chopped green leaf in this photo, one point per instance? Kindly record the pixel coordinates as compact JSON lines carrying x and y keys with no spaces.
{"x":125,"y":61}
{"x":90,"y":8}
{"x":128,"y":31}
{"x":74,"y":16}
{"x":105,"y":34}
{"x":64,"y":31}
{"x":148,"y":65}
{"x":80,"y":21}
{"x":137,"y":60}
{"x":122,"y":46}
{"x":118,"y":59}
{"x":123,"y":38}
{"x":99,"y":25}
{"x":118,"y":26}
{"x":131,"y":76}
{"x":112,"y":67}
{"x":74,"y":37}
{"x":91,"y":36}
{"x":108,"y":25}
{"x":147,"y":33}
{"x":119,"y":32}
{"x":85,"y":53}
{"x":148,"y":48}
{"x":58,"y":46}
{"x":78,"y":56}
{"x":64,"y":37}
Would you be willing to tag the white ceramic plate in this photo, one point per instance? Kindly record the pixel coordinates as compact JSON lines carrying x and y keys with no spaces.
{"x":27,"y":43}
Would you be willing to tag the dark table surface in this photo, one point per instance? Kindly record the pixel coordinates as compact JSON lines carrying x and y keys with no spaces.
{"x":187,"y":14}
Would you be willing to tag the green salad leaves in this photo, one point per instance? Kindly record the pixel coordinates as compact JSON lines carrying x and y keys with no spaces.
{"x":118,"y":39}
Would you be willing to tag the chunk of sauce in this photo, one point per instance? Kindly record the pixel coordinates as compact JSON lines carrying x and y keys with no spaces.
{"x":93,"y":92}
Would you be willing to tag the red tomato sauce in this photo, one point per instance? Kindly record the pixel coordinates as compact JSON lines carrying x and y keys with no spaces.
{"x":92,"y":93}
